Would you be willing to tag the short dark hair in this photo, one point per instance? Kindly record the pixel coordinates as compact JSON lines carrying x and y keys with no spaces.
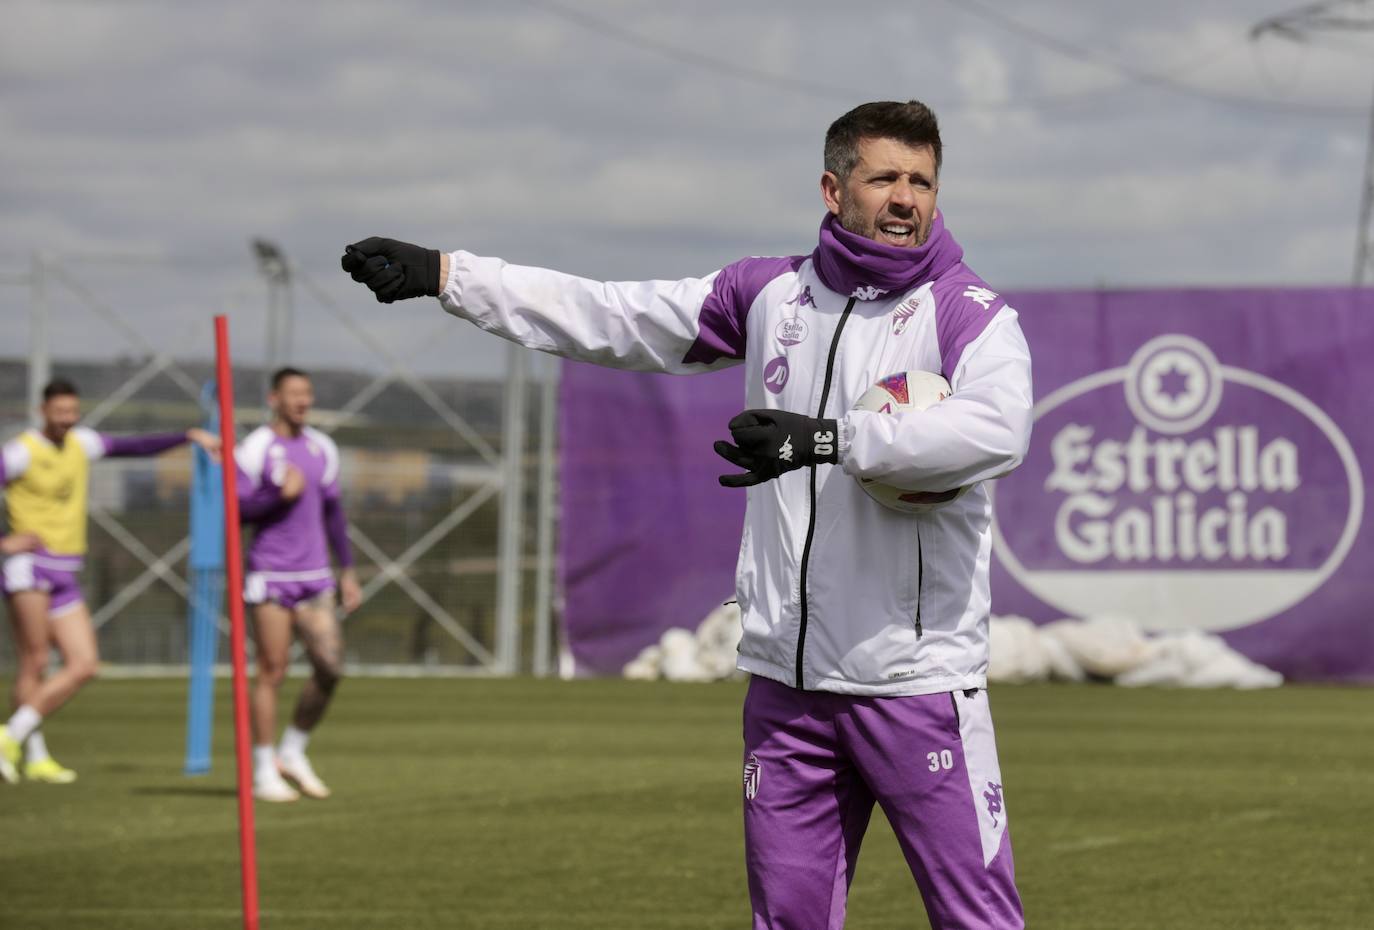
{"x":281,"y":374}
{"x":59,"y":387}
{"x":912,"y":123}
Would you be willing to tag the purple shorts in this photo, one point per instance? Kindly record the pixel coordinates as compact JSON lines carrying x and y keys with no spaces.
{"x":814,"y":765}
{"x":39,"y":571}
{"x":289,"y":589}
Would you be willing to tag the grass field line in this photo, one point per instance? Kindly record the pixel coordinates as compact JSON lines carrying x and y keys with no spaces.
{"x":1089,"y":843}
{"x":226,"y":913}
{"x":305,"y":814}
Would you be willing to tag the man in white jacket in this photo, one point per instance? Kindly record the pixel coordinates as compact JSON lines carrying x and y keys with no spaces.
{"x":865,"y":629}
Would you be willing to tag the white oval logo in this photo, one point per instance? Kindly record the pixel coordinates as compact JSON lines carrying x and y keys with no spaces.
{"x":791,"y":330}
{"x":1179,"y":491}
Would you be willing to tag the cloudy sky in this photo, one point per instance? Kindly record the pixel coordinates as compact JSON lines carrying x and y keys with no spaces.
{"x":145,"y":143}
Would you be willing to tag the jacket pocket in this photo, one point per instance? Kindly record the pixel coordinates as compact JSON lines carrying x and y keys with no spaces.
{"x":744,"y":570}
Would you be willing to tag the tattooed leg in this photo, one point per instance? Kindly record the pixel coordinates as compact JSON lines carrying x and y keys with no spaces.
{"x":322,"y":637}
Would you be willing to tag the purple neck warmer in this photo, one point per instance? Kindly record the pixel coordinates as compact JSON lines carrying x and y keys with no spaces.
{"x":859,"y":267}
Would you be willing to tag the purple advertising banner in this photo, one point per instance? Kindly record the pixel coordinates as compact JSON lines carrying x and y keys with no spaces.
{"x":647,"y":539}
{"x":1199,"y":461}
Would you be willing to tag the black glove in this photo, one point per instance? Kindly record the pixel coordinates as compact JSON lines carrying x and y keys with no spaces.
{"x":771,"y":442}
{"x":392,"y":269}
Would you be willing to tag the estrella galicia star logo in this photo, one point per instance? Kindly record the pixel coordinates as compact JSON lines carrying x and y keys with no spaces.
{"x":1173,"y":384}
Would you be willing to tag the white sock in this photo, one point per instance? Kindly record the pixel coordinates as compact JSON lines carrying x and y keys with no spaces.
{"x":293,"y":742}
{"x":36,"y":748}
{"x":264,"y":762}
{"x":24,"y":722}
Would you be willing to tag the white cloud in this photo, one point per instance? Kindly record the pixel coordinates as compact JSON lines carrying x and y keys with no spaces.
{"x":186,"y":128}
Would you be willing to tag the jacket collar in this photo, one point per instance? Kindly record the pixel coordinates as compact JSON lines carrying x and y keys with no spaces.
{"x":857,"y":267}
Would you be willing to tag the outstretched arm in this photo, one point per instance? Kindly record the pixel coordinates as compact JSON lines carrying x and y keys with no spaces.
{"x":148,"y":443}
{"x":681,"y":327}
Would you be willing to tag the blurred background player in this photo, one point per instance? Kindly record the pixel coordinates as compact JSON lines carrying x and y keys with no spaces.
{"x":289,"y":488}
{"x":45,"y":473}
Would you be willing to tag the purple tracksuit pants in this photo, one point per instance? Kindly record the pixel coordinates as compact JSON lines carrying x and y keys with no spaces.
{"x":815,"y":763}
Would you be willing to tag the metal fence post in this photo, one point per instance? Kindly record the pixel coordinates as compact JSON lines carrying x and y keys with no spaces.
{"x":40,"y":352}
{"x":512,"y":516}
{"x":544,"y":571}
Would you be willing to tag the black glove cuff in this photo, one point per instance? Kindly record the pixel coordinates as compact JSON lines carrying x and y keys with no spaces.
{"x":826,"y":442}
{"x":433,"y":286}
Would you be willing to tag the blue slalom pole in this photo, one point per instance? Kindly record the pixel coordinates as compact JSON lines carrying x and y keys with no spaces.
{"x":207,"y":593}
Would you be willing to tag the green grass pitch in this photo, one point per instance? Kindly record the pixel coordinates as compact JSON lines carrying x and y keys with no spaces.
{"x":608,"y":804}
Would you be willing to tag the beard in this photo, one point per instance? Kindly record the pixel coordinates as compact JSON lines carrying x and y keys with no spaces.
{"x":855,"y":221}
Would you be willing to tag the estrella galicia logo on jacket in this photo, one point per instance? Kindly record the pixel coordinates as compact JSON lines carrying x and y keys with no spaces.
{"x":804,"y":299}
{"x":1180,"y":492}
{"x":791,"y":331}
{"x":752,"y":771}
{"x":903,"y":314}
{"x":775,"y":374}
{"x":994,"y":798}
{"x":867,"y":292}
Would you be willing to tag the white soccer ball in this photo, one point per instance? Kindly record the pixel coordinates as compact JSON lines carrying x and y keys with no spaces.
{"x":906,"y":390}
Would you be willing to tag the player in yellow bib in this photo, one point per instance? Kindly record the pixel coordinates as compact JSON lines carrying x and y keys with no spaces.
{"x":44,"y":473}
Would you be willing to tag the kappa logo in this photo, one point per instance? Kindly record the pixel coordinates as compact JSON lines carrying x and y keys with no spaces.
{"x":981,"y":296}
{"x":752,"y":771}
{"x":994,"y":798}
{"x":785,"y":450}
{"x":902,"y":316}
{"x":867,"y":292}
{"x":804,"y":299}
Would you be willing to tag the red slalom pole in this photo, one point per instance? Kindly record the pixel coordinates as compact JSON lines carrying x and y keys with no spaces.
{"x":233,"y":589}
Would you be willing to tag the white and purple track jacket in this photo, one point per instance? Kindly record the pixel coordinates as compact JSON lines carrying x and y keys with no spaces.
{"x":837,"y":592}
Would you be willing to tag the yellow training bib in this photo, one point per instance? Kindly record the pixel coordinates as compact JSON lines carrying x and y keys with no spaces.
{"x":49,"y":498}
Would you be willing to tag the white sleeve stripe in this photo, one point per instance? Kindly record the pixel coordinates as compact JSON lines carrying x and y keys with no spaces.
{"x":91,"y":441}
{"x":331,"y":454}
{"x":251,"y":454}
{"x":16,"y":458}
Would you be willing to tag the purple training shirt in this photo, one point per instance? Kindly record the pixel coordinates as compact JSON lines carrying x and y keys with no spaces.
{"x":292,"y":536}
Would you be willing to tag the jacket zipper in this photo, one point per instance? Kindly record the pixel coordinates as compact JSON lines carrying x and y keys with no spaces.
{"x":920,"y":573}
{"x":811,"y":520}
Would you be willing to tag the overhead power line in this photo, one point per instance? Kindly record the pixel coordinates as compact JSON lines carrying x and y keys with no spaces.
{"x":1138,"y":75}
{"x":615,"y":32}
{"x":1325,"y":18}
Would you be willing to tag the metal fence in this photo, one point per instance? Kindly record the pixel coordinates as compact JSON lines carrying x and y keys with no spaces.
{"x":446,"y":451}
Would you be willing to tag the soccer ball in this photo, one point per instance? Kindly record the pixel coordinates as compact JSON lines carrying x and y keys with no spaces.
{"x":906,"y":390}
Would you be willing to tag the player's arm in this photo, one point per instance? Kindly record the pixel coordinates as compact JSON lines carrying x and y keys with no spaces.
{"x":336,"y":531}
{"x":263,"y":490}
{"x":980,"y":431}
{"x":681,"y":327}
{"x":261,"y":498}
{"x":14,"y":461}
{"x":336,"y":525}
{"x":100,"y":445}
